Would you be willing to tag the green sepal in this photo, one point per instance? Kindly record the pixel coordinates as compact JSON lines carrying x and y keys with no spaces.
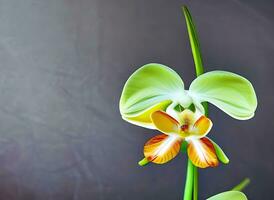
{"x":220,"y":153}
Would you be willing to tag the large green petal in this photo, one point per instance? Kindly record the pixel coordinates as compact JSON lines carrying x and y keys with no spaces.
{"x":230,"y":195}
{"x":230,"y":92}
{"x":151,"y":87}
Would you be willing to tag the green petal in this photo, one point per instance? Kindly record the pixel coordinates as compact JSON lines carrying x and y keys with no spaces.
{"x":220,"y":153}
{"x":230,"y":92}
{"x":153,"y":86}
{"x":230,"y":195}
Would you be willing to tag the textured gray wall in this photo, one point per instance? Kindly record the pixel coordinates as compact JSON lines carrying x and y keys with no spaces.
{"x":62,"y":67}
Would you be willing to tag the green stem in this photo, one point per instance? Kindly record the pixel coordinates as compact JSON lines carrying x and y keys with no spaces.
{"x":189,"y":181}
{"x":195,"y":183}
{"x":191,"y":187}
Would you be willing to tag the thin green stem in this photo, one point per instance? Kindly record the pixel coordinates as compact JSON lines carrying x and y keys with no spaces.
{"x":189,"y":181}
{"x":195,"y":183}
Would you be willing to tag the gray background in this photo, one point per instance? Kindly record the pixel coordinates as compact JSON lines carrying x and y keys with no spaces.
{"x":62,"y":67}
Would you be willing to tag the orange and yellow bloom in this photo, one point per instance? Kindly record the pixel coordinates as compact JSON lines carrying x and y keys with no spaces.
{"x":186,"y":126}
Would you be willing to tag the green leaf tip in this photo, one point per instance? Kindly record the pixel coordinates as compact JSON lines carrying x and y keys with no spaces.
{"x":242,"y":185}
{"x":229,"y":195}
{"x":194,"y":42}
{"x":143,"y":162}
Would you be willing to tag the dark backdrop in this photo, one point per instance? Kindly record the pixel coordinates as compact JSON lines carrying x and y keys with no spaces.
{"x":63,"y":64}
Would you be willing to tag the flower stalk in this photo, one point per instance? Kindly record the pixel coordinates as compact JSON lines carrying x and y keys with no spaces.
{"x":192,"y":179}
{"x":195,"y":183}
{"x":189,"y":181}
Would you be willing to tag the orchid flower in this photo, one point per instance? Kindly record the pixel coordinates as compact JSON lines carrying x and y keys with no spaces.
{"x":188,"y":127}
{"x":152,"y":94}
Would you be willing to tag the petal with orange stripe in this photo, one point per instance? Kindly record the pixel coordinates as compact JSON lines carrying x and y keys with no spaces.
{"x":164,"y":122}
{"x":202,"y":126}
{"x":162,"y":148}
{"x":202,"y":153}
